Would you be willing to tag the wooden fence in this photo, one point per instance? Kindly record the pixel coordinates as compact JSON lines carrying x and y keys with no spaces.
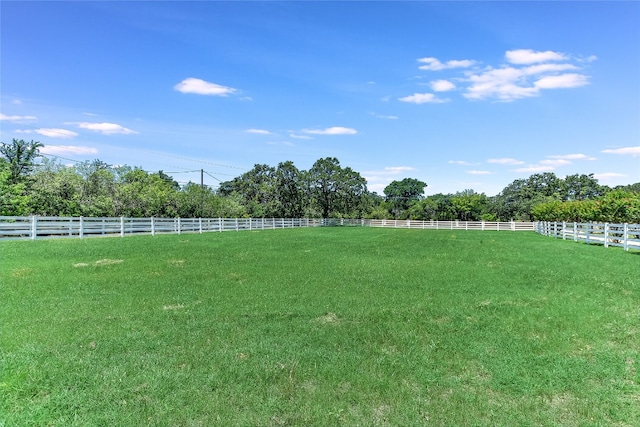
{"x":35,"y":227}
{"x":626,"y":236}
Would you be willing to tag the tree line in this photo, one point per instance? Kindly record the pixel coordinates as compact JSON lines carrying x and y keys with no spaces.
{"x":31,"y":184}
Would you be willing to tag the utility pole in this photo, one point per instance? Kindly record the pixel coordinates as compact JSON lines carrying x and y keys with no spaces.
{"x":201,"y":192}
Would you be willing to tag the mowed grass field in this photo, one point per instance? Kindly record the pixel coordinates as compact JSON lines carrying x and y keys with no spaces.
{"x":319,"y":327}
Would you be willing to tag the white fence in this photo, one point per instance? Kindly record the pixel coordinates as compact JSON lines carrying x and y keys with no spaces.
{"x":454,"y":225}
{"x":626,"y":236}
{"x":35,"y":227}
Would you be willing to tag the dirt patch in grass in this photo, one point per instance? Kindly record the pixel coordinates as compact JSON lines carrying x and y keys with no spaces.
{"x":173,"y":307}
{"x":328,"y":318}
{"x":21,"y":272}
{"x":99,"y":263}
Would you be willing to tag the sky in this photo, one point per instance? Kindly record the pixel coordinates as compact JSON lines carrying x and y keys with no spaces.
{"x":460,"y":95}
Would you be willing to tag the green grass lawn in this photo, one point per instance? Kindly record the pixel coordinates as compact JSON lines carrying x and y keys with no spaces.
{"x":319,"y":327}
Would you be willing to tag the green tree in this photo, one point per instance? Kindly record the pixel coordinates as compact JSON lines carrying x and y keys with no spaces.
{"x":56,"y":190}
{"x":581,"y":187}
{"x":20,"y":157}
{"x":257,"y":190}
{"x":469,"y":205}
{"x":291,"y":194}
{"x":336,"y":191}
{"x":402,"y":194}
{"x":98,"y":188}
{"x":14,"y":200}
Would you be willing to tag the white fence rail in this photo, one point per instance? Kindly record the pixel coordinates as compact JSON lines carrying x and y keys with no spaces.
{"x":626,"y":236}
{"x":454,"y":225}
{"x":35,"y":227}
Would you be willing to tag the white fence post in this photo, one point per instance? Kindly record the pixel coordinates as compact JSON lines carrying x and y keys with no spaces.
{"x":153,"y":226}
{"x":81,"y":231}
{"x":121,"y":226}
{"x":606,"y":234}
{"x":626,"y":236}
{"x":34,"y":227}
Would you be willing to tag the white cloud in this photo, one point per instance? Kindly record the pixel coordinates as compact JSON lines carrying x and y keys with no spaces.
{"x":562,"y":81}
{"x":259,"y":131}
{"x":475,"y":172}
{"x":17,"y":118}
{"x":422,"y":98}
{"x":630,"y":151}
{"x":201,"y":87}
{"x":505,"y":161}
{"x":442,"y":85}
{"x":535,"y":169}
{"x":607,"y":176}
{"x":53,"y":132}
{"x":381,"y":116}
{"x":105,"y":128}
{"x":296,"y":136}
{"x":528,"y":56}
{"x":577,"y":156}
{"x":336,"y":130}
{"x":433,"y":64}
{"x":398,"y":169}
{"x":555,"y":162}
{"x":68,"y":149}
{"x":462,"y":163}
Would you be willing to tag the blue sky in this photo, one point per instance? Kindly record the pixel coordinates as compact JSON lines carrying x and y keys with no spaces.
{"x":457,"y":94}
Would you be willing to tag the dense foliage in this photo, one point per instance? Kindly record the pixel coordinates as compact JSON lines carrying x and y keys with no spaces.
{"x":31,"y":184}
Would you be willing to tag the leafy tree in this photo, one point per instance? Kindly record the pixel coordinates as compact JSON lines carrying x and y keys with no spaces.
{"x":98,"y":188}
{"x":56,"y":190}
{"x":518,"y":198}
{"x":140,"y":194}
{"x":401,"y":194}
{"x":581,"y":187}
{"x":336,"y":191}
{"x":469,"y":205}
{"x":20,"y":157}
{"x":257,"y":190}
{"x":290,"y":191}
{"x":14,"y":200}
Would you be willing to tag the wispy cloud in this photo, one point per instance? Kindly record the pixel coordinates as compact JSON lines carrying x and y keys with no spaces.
{"x":506,"y":161}
{"x":52,"y":132}
{"x":462,"y":163}
{"x":422,"y":98}
{"x":202,"y":87}
{"x":628,"y":151}
{"x":535,"y":169}
{"x":104,"y":128}
{"x":555,"y":162}
{"x":577,"y":156}
{"x":433,"y":64}
{"x":477,"y":172}
{"x":382,"y":116}
{"x":297,"y":136}
{"x":336,"y":130}
{"x":258,"y":131}
{"x":17,"y":119}
{"x":68,"y":150}
{"x":606,"y":176}
{"x":398,"y":169}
